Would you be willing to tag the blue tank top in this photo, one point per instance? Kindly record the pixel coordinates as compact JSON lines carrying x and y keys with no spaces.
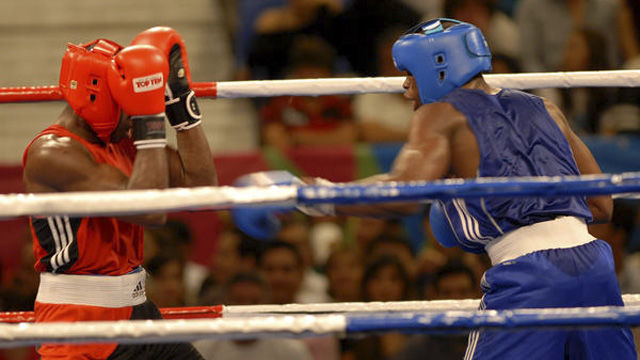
{"x":516,"y":137}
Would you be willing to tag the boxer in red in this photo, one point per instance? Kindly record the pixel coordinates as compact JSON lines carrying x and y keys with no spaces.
{"x":111,"y":136}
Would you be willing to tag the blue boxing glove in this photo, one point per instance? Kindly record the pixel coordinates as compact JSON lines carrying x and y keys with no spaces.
{"x":263,"y":222}
{"x":440,"y":225}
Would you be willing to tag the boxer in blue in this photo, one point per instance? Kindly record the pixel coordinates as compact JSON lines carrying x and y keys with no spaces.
{"x":541,"y":252}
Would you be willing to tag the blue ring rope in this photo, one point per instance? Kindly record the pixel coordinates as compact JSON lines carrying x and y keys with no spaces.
{"x":458,"y":321}
{"x":603,"y":184}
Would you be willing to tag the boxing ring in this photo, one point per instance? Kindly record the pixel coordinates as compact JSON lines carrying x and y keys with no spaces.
{"x":339,"y":319}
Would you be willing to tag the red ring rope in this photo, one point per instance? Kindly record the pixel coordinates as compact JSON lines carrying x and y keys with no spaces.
{"x":52,"y":93}
{"x":194,"y":312}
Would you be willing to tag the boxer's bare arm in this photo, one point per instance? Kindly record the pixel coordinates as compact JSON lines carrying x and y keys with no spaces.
{"x":425,"y":156}
{"x":61,"y":164}
{"x":192,"y":164}
{"x":601,"y":206}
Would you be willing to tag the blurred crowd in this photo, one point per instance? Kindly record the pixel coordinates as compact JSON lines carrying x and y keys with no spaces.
{"x":305,"y":39}
{"x":321,"y":260}
{"x":347,"y":259}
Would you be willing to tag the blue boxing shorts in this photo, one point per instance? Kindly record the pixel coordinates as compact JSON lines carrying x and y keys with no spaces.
{"x":572,"y":277}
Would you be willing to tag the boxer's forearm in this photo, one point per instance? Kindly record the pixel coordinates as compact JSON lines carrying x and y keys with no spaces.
{"x":195,"y":158}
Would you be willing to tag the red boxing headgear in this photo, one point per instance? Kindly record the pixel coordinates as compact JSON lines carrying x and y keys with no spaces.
{"x":84,"y":85}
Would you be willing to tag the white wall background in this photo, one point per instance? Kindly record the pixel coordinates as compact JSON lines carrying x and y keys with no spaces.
{"x":33,"y":37}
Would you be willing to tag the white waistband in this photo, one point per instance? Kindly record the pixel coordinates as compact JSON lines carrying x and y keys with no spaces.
{"x":93,"y":290}
{"x":560,"y":233}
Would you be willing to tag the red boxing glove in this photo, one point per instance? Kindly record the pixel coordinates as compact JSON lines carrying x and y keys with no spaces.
{"x":181,"y":105}
{"x":137,"y":78}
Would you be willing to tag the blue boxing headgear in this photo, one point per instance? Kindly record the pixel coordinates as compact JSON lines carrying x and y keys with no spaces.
{"x":441,"y":59}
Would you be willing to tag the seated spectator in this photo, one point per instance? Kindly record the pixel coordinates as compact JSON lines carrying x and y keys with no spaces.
{"x":396,"y":246}
{"x":247,"y":13}
{"x":289,"y":121}
{"x":356,"y":30}
{"x":175,"y":238}
{"x":546,"y":25}
{"x":166,"y":286}
{"x":503,"y":64}
{"x":344,"y":269}
{"x":295,"y":15}
{"x":277,"y":30}
{"x":250,"y":289}
{"x":385,"y":279}
{"x":295,"y":230}
{"x":617,"y":233}
{"x":620,"y":119}
{"x":500,"y":31}
{"x":384,"y":117}
{"x":22,"y":289}
{"x":583,"y":106}
{"x":454,"y":281}
{"x":281,"y":264}
{"x":225,"y":262}
{"x":367,"y":229}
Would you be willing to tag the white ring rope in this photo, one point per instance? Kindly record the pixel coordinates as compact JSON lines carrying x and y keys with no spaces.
{"x":128,"y":202}
{"x":371,"y":307}
{"x":148,"y":331}
{"x":332,"y":86}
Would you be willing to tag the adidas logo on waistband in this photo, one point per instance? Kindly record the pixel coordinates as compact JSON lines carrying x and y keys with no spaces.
{"x":138,"y":291}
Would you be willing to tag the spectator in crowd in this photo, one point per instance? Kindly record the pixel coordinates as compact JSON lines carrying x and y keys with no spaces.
{"x":281,"y":264}
{"x":295,"y":231}
{"x":19,"y":295}
{"x":454,"y":281}
{"x":277,"y":30}
{"x":583,"y":106}
{"x":166,"y":280}
{"x":11,"y":300}
{"x":383,"y":117}
{"x":23,"y":286}
{"x":503,"y":64}
{"x":247,"y":11}
{"x":546,"y":26}
{"x":358,"y":27}
{"x":226,"y":261}
{"x":175,"y":238}
{"x":367,"y":229}
{"x":289,"y":121}
{"x":248,"y":288}
{"x":617,"y":233}
{"x":385,"y":279}
{"x":344,"y":269}
{"x":396,"y":246}
{"x":622,"y":118}
{"x":500,"y":31}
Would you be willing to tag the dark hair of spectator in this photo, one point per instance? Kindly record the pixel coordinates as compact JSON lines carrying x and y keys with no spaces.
{"x":156,"y":263}
{"x":511,"y":63}
{"x":309,"y":50}
{"x":451,"y":5}
{"x":450,"y":268}
{"x":624,"y":215}
{"x":277,"y":245}
{"x":380,"y":263}
{"x":246,"y":277}
{"x":597,"y":49}
{"x":387,"y":238}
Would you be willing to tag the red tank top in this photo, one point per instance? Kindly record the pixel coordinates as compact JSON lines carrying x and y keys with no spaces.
{"x":102,"y":245}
